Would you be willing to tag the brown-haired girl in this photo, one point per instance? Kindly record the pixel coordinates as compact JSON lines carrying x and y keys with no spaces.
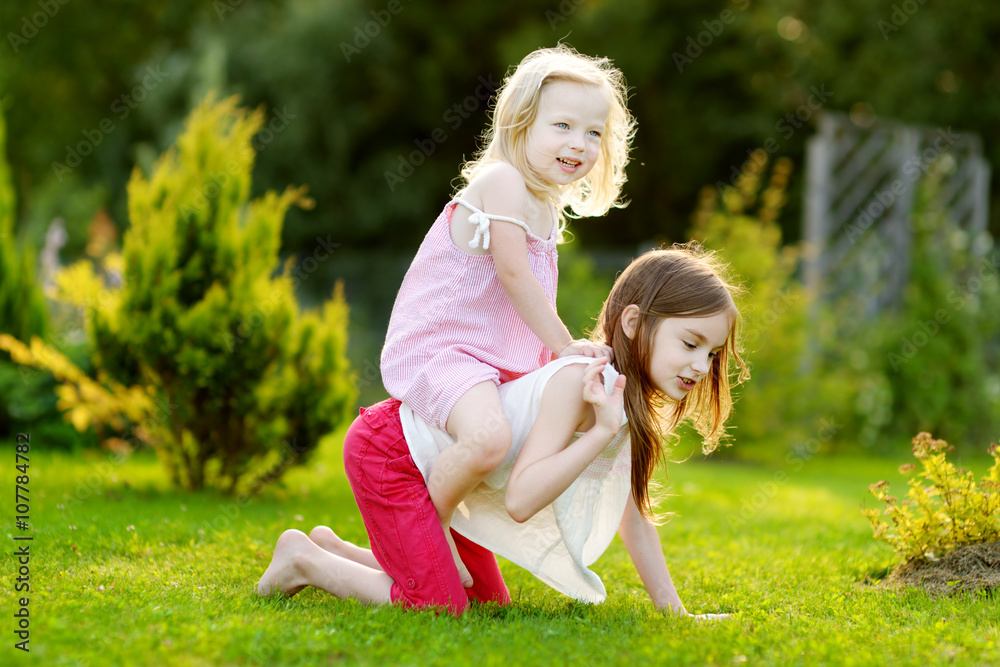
{"x":586,"y":443}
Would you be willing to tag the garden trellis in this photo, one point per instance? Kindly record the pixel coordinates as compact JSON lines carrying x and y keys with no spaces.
{"x":860,"y":188}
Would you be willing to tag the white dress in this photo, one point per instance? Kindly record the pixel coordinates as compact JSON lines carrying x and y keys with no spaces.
{"x":559,"y":543}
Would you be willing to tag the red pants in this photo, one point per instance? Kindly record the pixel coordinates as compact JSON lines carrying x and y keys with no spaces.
{"x":403,"y":527}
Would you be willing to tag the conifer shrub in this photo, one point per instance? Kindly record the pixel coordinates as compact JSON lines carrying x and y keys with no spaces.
{"x":243,"y":383}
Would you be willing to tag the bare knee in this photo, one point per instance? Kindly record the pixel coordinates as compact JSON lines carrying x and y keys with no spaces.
{"x":490,"y":447}
{"x":479,"y":425}
{"x":292,"y":535}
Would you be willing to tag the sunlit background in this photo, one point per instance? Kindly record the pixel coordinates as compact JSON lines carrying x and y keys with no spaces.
{"x":880,"y":316}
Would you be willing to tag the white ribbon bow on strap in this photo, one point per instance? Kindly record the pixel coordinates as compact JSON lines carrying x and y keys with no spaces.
{"x":482,"y":223}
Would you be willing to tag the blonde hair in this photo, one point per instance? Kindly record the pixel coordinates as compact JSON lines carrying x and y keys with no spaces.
{"x":515,"y":110}
{"x":684,"y":281}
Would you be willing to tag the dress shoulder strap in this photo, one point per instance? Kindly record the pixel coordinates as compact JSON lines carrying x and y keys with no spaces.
{"x":482,"y":220}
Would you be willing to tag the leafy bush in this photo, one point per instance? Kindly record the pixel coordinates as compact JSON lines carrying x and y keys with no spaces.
{"x":794,"y":399}
{"x":26,"y":397}
{"x":823,"y":371}
{"x":945,"y":508}
{"x":933,"y":363}
{"x":244,"y":384}
{"x":22,"y":304}
{"x":940,"y":355}
{"x":583,"y":287}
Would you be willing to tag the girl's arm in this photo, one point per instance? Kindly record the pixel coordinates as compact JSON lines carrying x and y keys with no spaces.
{"x":546,"y":466}
{"x":509,"y":247}
{"x":503,"y":193}
{"x":643,"y":544}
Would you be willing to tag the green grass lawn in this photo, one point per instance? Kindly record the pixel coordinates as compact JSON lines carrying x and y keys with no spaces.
{"x":125,"y":571}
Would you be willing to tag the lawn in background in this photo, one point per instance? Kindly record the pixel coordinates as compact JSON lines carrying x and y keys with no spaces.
{"x":126,"y":571}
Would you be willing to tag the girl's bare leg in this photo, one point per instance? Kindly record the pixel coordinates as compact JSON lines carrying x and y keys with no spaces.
{"x":326,"y":539}
{"x":298,"y":562}
{"x":483,"y":439}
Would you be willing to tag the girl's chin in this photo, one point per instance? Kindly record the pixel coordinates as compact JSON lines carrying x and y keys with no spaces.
{"x":674,"y":395}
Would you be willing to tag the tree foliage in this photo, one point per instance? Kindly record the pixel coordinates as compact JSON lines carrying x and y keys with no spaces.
{"x":375,"y":104}
{"x":726,"y":77}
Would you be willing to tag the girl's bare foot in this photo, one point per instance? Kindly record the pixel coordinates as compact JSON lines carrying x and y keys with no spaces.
{"x":299,"y":562}
{"x":283,"y":574}
{"x":327,"y":540}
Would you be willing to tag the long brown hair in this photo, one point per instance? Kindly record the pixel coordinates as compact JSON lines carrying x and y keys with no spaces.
{"x":683,"y":281}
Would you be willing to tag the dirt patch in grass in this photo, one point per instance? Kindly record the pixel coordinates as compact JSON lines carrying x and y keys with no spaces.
{"x":968,"y":569}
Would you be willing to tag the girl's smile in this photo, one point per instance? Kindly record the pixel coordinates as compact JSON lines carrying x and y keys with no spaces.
{"x":564,"y":141}
{"x":568,"y":165}
{"x":684,"y":349}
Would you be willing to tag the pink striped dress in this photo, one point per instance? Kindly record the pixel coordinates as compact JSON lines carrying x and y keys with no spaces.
{"x":452,"y":325}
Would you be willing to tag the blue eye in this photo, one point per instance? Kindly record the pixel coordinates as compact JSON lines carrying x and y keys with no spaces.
{"x":562,"y":126}
{"x":595,"y":133}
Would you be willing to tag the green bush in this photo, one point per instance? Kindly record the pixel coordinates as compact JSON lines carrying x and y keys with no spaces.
{"x":583,"y":287}
{"x":932,"y":363}
{"x":826,"y":376}
{"x":939,"y":354}
{"x":27,"y":399}
{"x":794,"y":404}
{"x":945,"y":507}
{"x":29,"y":404}
{"x":245,"y":384}
{"x":22,"y":304}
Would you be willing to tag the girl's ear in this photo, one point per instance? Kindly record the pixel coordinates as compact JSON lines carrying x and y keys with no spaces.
{"x":630,"y":320}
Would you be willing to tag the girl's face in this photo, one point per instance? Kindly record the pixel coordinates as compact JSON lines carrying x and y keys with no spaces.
{"x":684,"y":349}
{"x":564,"y":140}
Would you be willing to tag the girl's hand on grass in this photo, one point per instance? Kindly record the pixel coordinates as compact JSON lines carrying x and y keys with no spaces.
{"x":586,"y":349}
{"x":607,"y":409}
{"x":710,"y":617}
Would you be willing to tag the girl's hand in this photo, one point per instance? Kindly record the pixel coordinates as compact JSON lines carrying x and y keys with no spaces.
{"x":710,"y":617}
{"x":587,"y":349}
{"x":607,"y":409}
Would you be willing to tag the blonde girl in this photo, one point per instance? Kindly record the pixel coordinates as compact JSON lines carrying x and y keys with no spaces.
{"x":477,"y":305}
{"x":586,"y":443}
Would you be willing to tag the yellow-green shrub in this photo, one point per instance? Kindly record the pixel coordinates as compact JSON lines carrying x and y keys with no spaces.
{"x":944,"y":508}
{"x":793,"y":407}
